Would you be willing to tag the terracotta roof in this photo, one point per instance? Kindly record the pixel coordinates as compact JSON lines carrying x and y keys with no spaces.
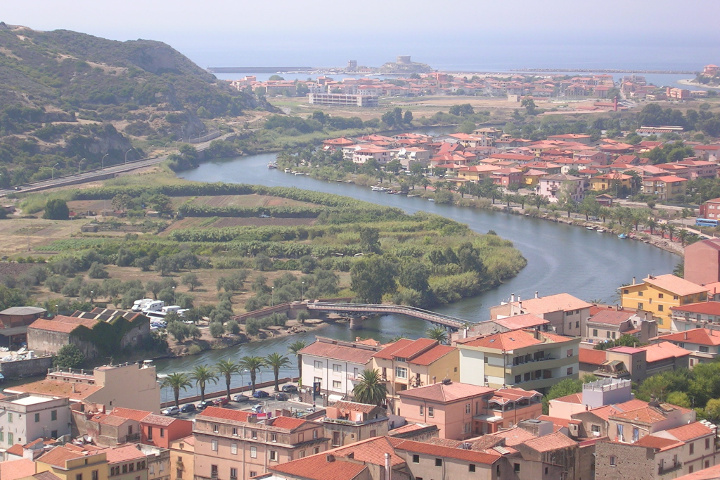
{"x":514,"y":436}
{"x":663,"y":351}
{"x":160,"y":420}
{"x":288,"y":423}
{"x":553,"y":303}
{"x":123,"y":454}
{"x":112,"y":420}
{"x":443,"y":393}
{"x":388,"y":352}
{"x":691,"y":431}
{"x":448,"y":452}
{"x":432,"y":355}
{"x":355,"y":406}
{"x":504,"y":341}
{"x":647,"y":415}
{"x":48,"y":475}
{"x":553,"y":441}
{"x":59,"y":455}
{"x":372,"y":451}
{"x":611,"y":317}
{"x":712,"y":473}
{"x":14,"y":469}
{"x":658,"y":443}
{"x":339,"y":351}
{"x":700,"y":336}
{"x":676,"y":285}
{"x":518,"y":322}
{"x":513,"y":394}
{"x":604,"y":412}
{"x":16,"y":450}
{"x":572,"y":398}
{"x":592,"y":356}
{"x":63,"y":324}
{"x":322,"y":466}
{"x":225,"y":414}
{"x":562,"y":422}
{"x":631,"y":405}
{"x":57,"y":388}
{"x":708,"y":308}
{"x":137,"y":415}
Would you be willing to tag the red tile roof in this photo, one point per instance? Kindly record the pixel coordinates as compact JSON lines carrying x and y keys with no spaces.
{"x":448,"y":452}
{"x":432,"y":355}
{"x":699,"y":336}
{"x":160,"y":420}
{"x":323,"y":466}
{"x":16,"y":450}
{"x":506,"y":341}
{"x":14,"y":469}
{"x":59,"y":455}
{"x":691,"y":431}
{"x":647,"y":415}
{"x":708,"y":308}
{"x":77,"y":391}
{"x":131,"y":413}
{"x":123,"y":454}
{"x":288,"y":423}
{"x":415,"y":348}
{"x":712,"y":473}
{"x":611,"y":317}
{"x":572,"y":398}
{"x":514,"y":436}
{"x":444,"y":393}
{"x":658,"y":443}
{"x":518,"y":322}
{"x":225,"y":414}
{"x":63,"y":324}
{"x":548,"y":443}
{"x":664,"y":351}
{"x":674,"y":284}
{"x":357,"y":353}
{"x":592,"y":356}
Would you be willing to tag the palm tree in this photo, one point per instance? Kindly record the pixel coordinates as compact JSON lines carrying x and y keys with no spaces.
{"x":370,"y":388}
{"x":682,"y":234}
{"x":276,"y":362}
{"x":651,"y":223}
{"x":177,"y":381}
{"x":437,"y":333}
{"x":227,"y":368}
{"x":203,"y":374}
{"x":295,"y":348}
{"x":253,"y":364}
{"x":663,"y":229}
{"x":671,"y":231}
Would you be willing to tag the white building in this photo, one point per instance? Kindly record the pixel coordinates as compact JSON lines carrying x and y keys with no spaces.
{"x":26,"y":417}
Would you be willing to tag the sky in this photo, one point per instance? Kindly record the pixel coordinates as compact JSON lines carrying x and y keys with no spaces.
{"x":328,"y":33}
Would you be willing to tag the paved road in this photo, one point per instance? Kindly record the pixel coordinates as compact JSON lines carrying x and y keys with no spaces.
{"x":99,"y":174}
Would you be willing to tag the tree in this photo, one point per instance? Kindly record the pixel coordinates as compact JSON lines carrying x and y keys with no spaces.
{"x":97,"y":270}
{"x":177,"y":381}
{"x":370,"y":389}
{"x":253,"y":364}
{"x":69,"y":356}
{"x":216,"y":329}
{"x":408,"y":117}
{"x":276,"y":361}
{"x":437,"y":333}
{"x":202,"y":374}
{"x":191,"y":280}
{"x":560,"y":389}
{"x":56,"y":209}
{"x":529,"y":105}
{"x":712,"y":409}
{"x":369,"y":239}
{"x":227,"y":368}
{"x":295,"y":348}
{"x":372,"y":277}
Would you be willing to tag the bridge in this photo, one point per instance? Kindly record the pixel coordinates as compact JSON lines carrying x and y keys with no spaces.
{"x":435,"y":318}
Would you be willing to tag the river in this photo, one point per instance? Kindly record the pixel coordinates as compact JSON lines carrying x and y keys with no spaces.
{"x":560,"y":258}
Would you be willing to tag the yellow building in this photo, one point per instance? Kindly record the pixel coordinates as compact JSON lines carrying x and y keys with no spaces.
{"x":659,"y":294}
{"x":611,"y":181}
{"x":414,"y":363}
{"x":69,"y":462}
{"x":182,"y":455}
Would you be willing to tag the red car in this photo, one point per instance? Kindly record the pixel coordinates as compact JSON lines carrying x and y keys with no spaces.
{"x":219,"y":402}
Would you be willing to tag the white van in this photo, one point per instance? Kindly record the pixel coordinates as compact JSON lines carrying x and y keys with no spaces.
{"x":154,"y":306}
{"x":170,"y":308}
{"x":139,"y":305}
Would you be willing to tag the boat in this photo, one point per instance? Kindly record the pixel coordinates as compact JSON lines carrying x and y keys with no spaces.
{"x":378,"y":189}
{"x":590,"y":227}
{"x":600,"y":230}
{"x":272,"y":165}
{"x":622,"y":236}
{"x":287,"y":170}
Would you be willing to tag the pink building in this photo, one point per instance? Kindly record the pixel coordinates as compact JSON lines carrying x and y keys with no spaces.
{"x":702,"y":259}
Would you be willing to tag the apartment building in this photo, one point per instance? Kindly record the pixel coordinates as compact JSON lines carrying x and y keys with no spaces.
{"x":349,"y":422}
{"x":69,"y":462}
{"x":565,"y":313}
{"x":696,"y":315}
{"x":25,"y":418}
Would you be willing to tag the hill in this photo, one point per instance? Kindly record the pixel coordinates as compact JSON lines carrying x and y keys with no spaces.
{"x":70,"y":98}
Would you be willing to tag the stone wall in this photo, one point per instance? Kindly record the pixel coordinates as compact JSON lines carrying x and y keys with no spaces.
{"x":26,"y":368}
{"x":615,"y":461}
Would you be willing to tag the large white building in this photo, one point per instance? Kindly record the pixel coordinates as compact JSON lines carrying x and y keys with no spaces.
{"x":27,"y":417}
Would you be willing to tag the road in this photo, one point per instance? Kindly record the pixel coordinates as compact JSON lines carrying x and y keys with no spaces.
{"x":99,"y":174}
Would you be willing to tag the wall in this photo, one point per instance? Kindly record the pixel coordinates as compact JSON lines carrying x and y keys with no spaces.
{"x":630,"y":462}
{"x":26,"y":368}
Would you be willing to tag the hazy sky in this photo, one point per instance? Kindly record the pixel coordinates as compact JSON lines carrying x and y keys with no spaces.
{"x":306,"y":30}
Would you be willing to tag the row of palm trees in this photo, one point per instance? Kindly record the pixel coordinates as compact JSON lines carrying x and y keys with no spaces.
{"x":202,"y":375}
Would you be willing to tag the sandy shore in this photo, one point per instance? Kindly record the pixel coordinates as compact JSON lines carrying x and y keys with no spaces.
{"x":690,"y":83}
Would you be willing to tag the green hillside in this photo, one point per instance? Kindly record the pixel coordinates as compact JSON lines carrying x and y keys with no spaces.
{"x":70,"y":98}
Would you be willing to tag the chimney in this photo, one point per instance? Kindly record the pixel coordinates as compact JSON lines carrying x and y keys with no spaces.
{"x":330,"y":457}
{"x":685,"y":334}
{"x":512,"y":297}
{"x":388,"y":467}
{"x":633,"y":281}
{"x":536,"y":294}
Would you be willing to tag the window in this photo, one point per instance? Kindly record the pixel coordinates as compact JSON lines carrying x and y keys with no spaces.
{"x":94,"y":475}
{"x":626,"y":291}
{"x":466,"y":428}
{"x":400,"y":372}
{"x":660,"y":308}
{"x":253,"y":473}
{"x":315,"y":434}
{"x":516,"y":467}
{"x":318,"y":380}
{"x":704,"y":349}
{"x":422,"y":410}
{"x":273,"y":456}
{"x":620,"y":432}
{"x":301,"y":454}
{"x":570,"y":370}
{"x":2,"y":436}
{"x":337,"y":384}
{"x":215,"y":428}
{"x":707,"y":443}
{"x":53,"y":415}
{"x":518,"y":379}
{"x":214,"y":471}
{"x":467,"y":408}
{"x":692,"y":448}
{"x":316,"y":450}
{"x":214,"y":445}
{"x":595,"y":428}
{"x":570,"y":352}
{"x":607,"y":334}
{"x":233,"y":448}
{"x":233,"y":472}
{"x":595,"y":332}
{"x":37,"y":417}
{"x":253,"y":452}
{"x":124,"y":469}
{"x":640,"y":306}
{"x":53,"y":434}
{"x":416,"y":458}
{"x":660,"y":295}
{"x":337,"y":367}
{"x":318,"y":364}
{"x":640,"y":294}
{"x":10,"y":416}
{"x":78,"y":476}
{"x":471,"y":467}
{"x":273,"y":437}
{"x":179,"y":473}
{"x":162,"y":432}
{"x":131,"y":467}
{"x":235,"y":431}
{"x":438,"y":462}
{"x":431,"y":412}
{"x":636,"y":434}
{"x":149,"y":433}
{"x":577,"y":323}
{"x":613,"y":335}
{"x":253,"y":434}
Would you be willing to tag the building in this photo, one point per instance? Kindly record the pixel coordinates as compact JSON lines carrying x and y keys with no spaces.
{"x":128,"y":385}
{"x":69,"y":462}
{"x":232,"y":444}
{"x":531,"y":360}
{"x":335,"y":366}
{"x":665,"y":187}
{"x":567,"y":314}
{"x":696,"y":315}
{"x":612,"y":323}
{"x":611,"y":181}
{"x":341,"y":99}
{"x":14,"y":322}
{"x":350,"y":422}
{"x":16,"y":469}
{"x":409,"y":364}
{"x":703,"y":343}
{"x":182,"y":458}
{"x":126,"y":462}
{"x":560,"y":186}
{"x":702,"y":261}
{"x":606,"y":391}
{"x":658,"y":294}
{"x":28,"y":417}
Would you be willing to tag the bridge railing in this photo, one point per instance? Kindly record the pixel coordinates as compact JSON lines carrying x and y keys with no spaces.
{"x":402,"y":309}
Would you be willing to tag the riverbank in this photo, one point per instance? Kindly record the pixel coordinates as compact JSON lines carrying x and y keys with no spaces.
{"x":690,"y":83}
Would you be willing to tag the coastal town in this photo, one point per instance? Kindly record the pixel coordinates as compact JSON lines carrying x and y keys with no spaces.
{"x":160,"y":326}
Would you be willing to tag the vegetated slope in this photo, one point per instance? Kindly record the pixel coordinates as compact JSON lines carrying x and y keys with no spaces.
{"x":59,"y":88}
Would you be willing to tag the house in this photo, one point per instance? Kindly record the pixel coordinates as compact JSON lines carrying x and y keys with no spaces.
{"x":606,"y":391}
{"x":28,"y":417}
{"x":16,"y":469}
{"x":611,"y":181}
{"x":335,"y":366}
{"x":595,"y":422}
{"x":703,"y":343}
{"x":665,"y":187}
{"x":702,"y":259}
{"x":561,"y":186}
{"x":508,"y":407}
{"x":567,"y":314}
{"x":69,"y":462}
{"x":696,"y":315}
{"x":126,"y":462}
{"x":637,"y":363}
{"x":128,"y":385}
{"x":14,"y":322}
{"x":231,"y":444}
{"x":409,"y":364}
{"x":658,"y":294}
{"x":612,"y":323}
{"x":182,"y":458}
{"x":528,"y":359}
{"x":350,"y":422}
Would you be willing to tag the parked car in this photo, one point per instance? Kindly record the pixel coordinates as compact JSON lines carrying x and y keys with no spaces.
{"x":204,"y":404}
{"x":256,"y":408}
{"x":219,"y":402}
{"x":289,"y":388}
{"x":281,"y":396}
{"x":187,"y":408}
{"x":171,"y":411}
{"x":261,"y":394}
{"x":240,"y":398}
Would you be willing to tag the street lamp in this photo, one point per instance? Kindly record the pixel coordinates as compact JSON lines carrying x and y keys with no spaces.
{"x":102,"y":162}
{"x":127,"y":153}
{"x":302,"y":291}
{"x":53,"y":170}
{"x":173,"y":288}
